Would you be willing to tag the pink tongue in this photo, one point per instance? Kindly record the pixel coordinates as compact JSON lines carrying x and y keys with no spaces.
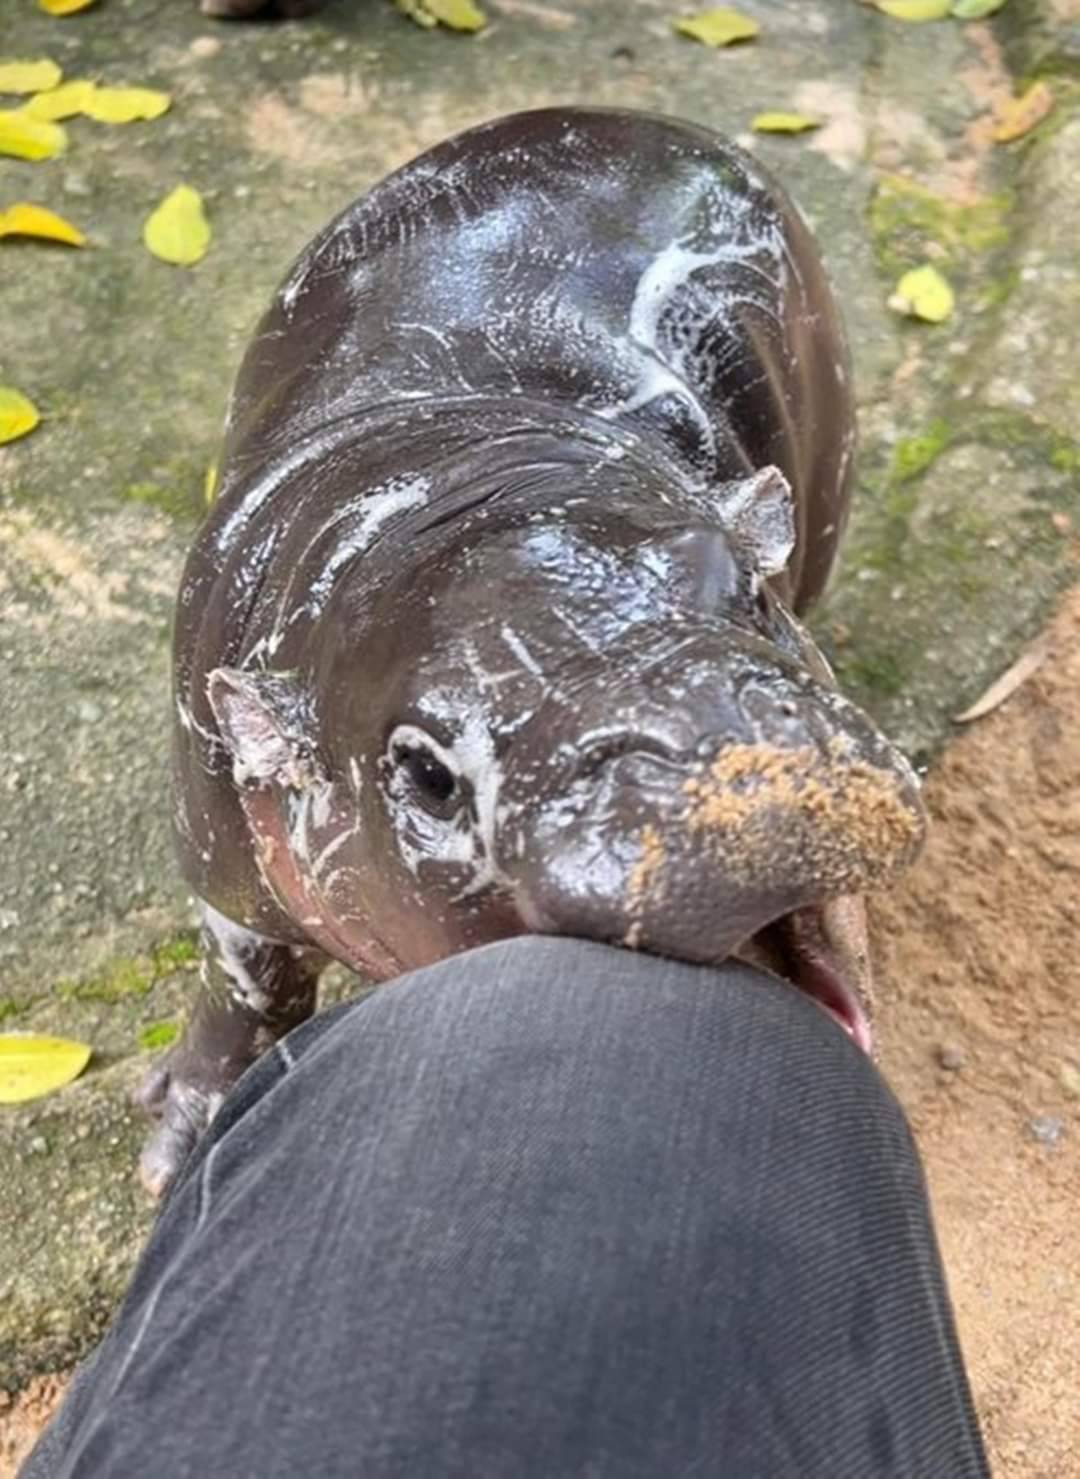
{"x":816,"y":977}
{"x":821,"y":972}
{"x":856,"y":1026}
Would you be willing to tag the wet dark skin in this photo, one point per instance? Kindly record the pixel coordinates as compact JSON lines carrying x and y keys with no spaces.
{"x":533,"y":463}
{"x":243,"y":10}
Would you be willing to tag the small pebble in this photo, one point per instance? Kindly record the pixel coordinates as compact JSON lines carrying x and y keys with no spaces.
{"x":951,"y":1057}
{"x":1069,"y":1079}
{"x":1047,"y":1128}
{"x":204,"y":46}
{"x":38,"y":1145}
{"x":87,"y":711}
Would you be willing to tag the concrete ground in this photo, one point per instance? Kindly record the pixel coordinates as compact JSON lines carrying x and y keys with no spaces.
{"x":970,"y":466}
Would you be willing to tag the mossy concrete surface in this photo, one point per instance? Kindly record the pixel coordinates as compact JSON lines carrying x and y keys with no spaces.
{"x":970,"y":473}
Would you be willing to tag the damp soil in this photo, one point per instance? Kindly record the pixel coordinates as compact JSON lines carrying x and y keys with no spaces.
{"x":978,"y":956}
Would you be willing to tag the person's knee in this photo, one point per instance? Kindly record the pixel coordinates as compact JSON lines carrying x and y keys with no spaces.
{"x":568,"y":991}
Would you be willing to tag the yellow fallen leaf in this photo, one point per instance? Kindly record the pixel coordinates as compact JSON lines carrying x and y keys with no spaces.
{"x":18,"y":415}
{"x":915,"y":10}
{"x":125,"y":104}
{"x":178,"y":230}
{"x":458,"y":15}
{"x":32,"y":1066}
{"x":783,"y":123}
{"x":975,"y":10}
{"x":28,"y":76}
{"x":718,"y":27}
{"x":1020,"y":115}
{"x":65,"y":7}
{"x":923,"y":293}
{"x":28,"y":138}
{"x":60,"y":102}
{"x":24,"y":219}
{"x":210,"y":483}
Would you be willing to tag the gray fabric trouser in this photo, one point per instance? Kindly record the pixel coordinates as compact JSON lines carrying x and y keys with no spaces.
{"x":546,"y":1210}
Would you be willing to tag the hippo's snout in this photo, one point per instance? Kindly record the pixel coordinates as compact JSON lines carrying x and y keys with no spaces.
{"x":694,"y":842}
{"x":693,"y":857}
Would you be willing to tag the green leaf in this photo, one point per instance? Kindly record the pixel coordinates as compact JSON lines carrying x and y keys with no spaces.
{"x":18,"y":415}
{"x":33,"y":1066}
{"x":720,"y":27}
{"x":178,"y":231}
{"x":923,"y":293}
{"x":158,"y":1034}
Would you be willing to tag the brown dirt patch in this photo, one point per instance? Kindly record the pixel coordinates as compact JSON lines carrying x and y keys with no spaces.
{"x":979,"y":981}
{"x":768,"y":810}
{"x":979,"y":985}
{"x":23,"y":1417}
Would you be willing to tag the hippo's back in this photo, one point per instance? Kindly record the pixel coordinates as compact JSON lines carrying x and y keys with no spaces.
{"x":629,"y":266}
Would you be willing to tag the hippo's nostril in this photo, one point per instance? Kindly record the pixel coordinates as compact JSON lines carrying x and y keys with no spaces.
{"x":598,"y":754}
{"x":771,"y":712}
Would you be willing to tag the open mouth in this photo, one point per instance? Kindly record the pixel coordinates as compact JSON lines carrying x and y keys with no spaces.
{"x":821,"y":950}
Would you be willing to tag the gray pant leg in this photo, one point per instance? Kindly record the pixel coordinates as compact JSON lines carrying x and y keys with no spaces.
{"x":546,"y":1210}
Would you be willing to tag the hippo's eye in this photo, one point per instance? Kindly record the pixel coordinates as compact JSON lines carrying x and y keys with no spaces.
{"x":433,"y":782}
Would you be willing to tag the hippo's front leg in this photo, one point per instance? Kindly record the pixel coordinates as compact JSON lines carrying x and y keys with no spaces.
{"x":253,"y":992}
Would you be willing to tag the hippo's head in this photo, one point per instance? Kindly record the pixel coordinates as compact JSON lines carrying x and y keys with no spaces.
{"x":597,"y":720}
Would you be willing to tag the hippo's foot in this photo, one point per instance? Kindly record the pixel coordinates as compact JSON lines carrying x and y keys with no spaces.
{"x":253,"y":991}
{"x":246,"y":9}
{"x":183,"y":1092}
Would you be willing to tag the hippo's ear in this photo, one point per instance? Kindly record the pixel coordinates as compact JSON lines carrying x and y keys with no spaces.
{"x":760,"y":513}
{"x":265,"y":725}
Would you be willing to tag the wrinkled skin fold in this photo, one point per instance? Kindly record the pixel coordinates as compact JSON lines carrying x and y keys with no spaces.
{"x":533,"y":464}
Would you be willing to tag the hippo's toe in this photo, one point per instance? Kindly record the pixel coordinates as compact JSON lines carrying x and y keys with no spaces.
{"x":183,"y":1108}
{"x":153,"y":1090}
